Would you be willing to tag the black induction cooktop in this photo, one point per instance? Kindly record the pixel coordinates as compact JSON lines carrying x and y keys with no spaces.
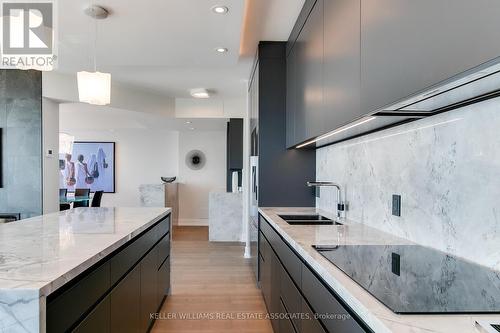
{"x":412,"y":279}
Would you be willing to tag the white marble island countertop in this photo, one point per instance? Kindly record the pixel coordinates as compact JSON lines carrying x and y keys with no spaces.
{"x":41,"y":254}
{"x":375,"y":314}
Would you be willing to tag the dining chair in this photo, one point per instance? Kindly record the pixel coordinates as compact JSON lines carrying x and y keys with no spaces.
{"x":96,"y":199}
{"x":82,"y":192}
{"x":64,"y":206}
{"x":9,"y":217}
{"x":63,"y":194}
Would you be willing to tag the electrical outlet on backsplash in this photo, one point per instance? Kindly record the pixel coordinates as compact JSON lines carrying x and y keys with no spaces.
{"x":434,"y":162}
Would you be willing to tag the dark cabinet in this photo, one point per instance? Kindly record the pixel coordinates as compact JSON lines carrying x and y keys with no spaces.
{"x":163,"y":281}
{"x":310,"y":324}
{"x":325,"y":303}
{"x":291,"y":98}
{"x":131,"y":254}
{"x":323,"y":70}
{"x":265,"y":266}
{"x":350,"y":58}
{"x":408,"y":45}
{"x":341,"y":64}
{"x":163,"y":249}
{"x":303,"y":305}
{"x":125,"y":302}
{"x":235,"y":143}
{"x":270,"y":279}
{"x":98,"y":320}
{"x":285,"y":324}
{"x":268,"y":108}
{"x":149,"y":286}
{"x":291,"y":298}
{"x":120,"y":293}
{"x":65,"y":309}
{"x":275,"y":291}
{"x":308,"y":50}
{"x":234,"y":150}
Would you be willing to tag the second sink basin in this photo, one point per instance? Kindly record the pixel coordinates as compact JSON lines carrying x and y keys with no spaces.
{"x":309,"y":219}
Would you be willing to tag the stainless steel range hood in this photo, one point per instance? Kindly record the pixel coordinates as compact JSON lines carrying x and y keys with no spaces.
{"x":473,"y":86}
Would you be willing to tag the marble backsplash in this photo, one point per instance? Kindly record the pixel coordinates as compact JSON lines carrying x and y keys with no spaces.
{"x":447,"y":170}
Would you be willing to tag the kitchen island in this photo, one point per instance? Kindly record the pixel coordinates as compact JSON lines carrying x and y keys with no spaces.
{"x":225,"y":214}
{"x":84,"y":269}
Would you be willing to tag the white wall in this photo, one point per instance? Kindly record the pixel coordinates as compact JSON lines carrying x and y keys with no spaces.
{"x":142,"y":157}
{"x":50,"y":135}
{"x":143,"y":154}
{"x":213,"y":108}
{"x":196,"y":184}
{"x":148,"y":147}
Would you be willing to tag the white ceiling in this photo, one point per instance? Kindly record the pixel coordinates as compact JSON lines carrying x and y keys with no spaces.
{"x":169,"y":45}
{"x":81,"y":116}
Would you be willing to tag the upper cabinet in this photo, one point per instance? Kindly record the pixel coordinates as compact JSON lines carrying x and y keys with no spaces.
{"x":305,"y":84}
{"x":291,"y":96}
{"x":408,"y":45}
{"x":323,"y":70}
{"x":341,"y":69}
{"x":351,"y":58}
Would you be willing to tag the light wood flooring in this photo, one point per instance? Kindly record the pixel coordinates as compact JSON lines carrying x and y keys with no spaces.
{"x":210,"y":278}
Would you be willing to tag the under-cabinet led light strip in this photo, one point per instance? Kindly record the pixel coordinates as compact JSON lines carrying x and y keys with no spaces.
{"x":340,"y":130}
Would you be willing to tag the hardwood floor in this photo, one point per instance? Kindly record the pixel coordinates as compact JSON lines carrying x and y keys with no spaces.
{"x":210,"y":279}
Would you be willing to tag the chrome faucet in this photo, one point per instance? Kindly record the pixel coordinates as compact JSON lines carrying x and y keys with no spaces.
{"x":341,"y":207}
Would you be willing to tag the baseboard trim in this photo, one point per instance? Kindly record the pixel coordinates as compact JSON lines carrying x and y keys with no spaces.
{"x":193,"y":222}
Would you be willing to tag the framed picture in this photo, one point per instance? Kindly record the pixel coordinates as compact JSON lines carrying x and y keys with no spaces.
{"x":90,"y":165}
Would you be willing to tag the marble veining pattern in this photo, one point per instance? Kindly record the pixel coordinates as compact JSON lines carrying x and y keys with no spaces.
{"x":225,"y":215}
{"x":447,"y":169}
{"x":41,"y":254}
{"x":152,"y":195}
{"x":376,"y":315}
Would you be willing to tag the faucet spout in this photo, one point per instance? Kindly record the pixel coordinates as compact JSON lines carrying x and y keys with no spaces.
{"x":340,"y":203}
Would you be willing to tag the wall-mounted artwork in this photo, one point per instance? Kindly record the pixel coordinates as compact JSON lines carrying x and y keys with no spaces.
{"x":90,"y":165}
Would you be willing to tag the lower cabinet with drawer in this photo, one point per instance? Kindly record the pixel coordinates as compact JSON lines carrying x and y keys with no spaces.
{"x":119,"y":294}
{"x":297,"y":299}
{"x":98,"y":319}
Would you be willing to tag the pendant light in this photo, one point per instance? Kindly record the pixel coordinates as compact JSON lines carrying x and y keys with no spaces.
{"x":95,"y":87}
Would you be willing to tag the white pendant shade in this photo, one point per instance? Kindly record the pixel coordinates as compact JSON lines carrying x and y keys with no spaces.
{"x":94,"y":87}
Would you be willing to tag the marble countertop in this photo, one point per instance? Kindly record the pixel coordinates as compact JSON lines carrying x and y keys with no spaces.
{"x":370,"y":310}
{"x":41,"y":254}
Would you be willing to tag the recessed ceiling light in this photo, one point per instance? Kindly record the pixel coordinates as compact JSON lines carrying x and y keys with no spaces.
{"x":188,"y":122}
{"x":200,"y":93}
{"x":220,"y":9}
{"x":221,"y":49}
{"x":191,"y":128}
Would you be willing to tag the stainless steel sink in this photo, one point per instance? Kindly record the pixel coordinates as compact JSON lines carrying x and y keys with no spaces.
{"x":307,"y":219}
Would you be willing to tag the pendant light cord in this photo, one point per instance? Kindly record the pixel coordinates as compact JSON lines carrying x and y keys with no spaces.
{"x":95,"y":38}
{"x":93,"y":17}
{"x":95,"y":46}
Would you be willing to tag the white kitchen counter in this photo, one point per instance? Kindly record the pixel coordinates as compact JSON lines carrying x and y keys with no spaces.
{"x":41,"y":254}
{"x":376,"y":315}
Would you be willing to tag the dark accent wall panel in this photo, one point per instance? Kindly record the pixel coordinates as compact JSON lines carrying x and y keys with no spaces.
{"x":21,"y":123}
{"x":282,"y":173}
{"x":234,"y":148}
